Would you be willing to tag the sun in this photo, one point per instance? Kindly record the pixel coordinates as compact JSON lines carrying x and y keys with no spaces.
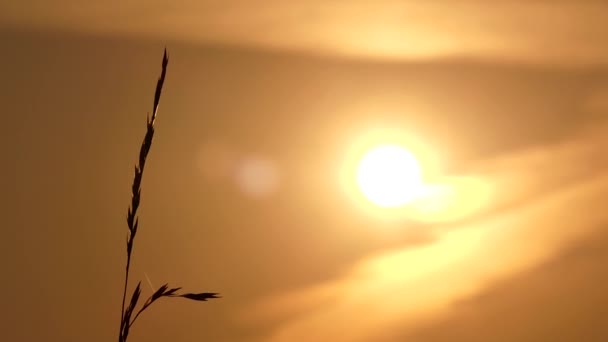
{"x":389,"y":176}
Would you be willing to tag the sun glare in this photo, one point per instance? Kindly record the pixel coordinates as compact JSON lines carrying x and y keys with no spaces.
{"x":389,"y":176}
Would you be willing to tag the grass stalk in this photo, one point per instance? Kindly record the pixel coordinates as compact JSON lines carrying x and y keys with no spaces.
{"x":126,"y":322}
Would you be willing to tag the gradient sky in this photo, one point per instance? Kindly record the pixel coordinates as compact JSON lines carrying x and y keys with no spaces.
{"x":241,"y":196}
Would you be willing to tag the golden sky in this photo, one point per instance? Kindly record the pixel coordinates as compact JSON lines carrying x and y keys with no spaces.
{"x":264,"y":103}
{"x":559,"y":31}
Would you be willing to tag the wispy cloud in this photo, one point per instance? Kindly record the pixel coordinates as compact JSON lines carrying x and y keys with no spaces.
{"x":560,"y":32}
{"x":557,"y":194}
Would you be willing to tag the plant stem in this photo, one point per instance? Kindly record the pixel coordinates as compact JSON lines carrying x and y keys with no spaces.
{"x":124,"y":295}
{"x":132,"y":220}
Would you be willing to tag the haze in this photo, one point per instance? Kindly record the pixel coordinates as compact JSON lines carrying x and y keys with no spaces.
{"x":264,"y":100}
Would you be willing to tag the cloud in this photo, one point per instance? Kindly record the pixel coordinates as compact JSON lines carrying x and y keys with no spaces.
{"x":559,"y":201}
{"x":558,"y":32}
{"x":596,"y":104}
{"x":561,"y":300}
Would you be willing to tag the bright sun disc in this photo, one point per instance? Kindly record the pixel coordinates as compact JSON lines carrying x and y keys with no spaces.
{"x":389,"y":176}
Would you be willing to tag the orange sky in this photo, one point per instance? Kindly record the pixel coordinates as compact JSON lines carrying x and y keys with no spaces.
{"x":561,"y":31}
{"x":242,"y":195}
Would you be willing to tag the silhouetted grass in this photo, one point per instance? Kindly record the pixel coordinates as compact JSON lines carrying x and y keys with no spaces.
{"x":126,"y":318}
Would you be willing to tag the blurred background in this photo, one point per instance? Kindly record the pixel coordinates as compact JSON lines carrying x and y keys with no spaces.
{"x":266,"y":106}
